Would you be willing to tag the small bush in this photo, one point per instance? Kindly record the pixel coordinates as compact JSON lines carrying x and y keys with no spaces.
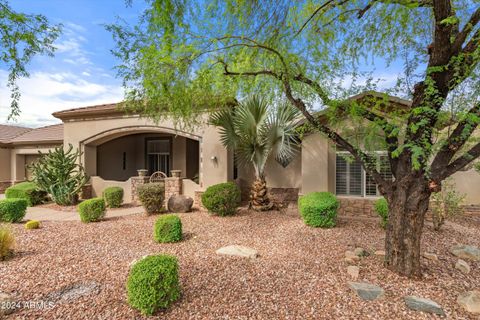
{"x":222,"y":199}
{"x":113,"y":196}
{"x":381,"y":208}
{"x":319,"y":209}
{"x":92,"y":210}
{"x":153,"y":283}
{"x":32,"y":224}
{"x":168,"y":228}
{"x":13,"y":210}
{"x":7,"y":241}
{"x":151,"y":196}
{"x":28,"y":191}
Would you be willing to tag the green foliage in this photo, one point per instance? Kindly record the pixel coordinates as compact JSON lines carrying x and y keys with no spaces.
{"x":32,"y":224}
{"x":23,"y":36}
{"x":151,"y":196}
{"x":7,"y":241}
{"x":445,"y":204}
{"x":153,"y":283}
{"x":59,"y":173}
{"x":319,"y":209}
{"x":92,"y":210}
{"x":381,"y":208}
{"x":28,"y":191}
{"x":255,"y":131}
{"x":222,"y":199}
{"x":13,"y":210}
{"x":168,"y":228}
{"x":113,"y":197}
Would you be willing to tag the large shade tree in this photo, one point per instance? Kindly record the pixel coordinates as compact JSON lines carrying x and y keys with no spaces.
{"x":256,"y":132}
{"x":183,"y":54}
{"x":22,"y":36}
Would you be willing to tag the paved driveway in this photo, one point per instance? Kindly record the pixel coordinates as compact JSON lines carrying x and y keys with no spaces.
{"x":46,"y":214}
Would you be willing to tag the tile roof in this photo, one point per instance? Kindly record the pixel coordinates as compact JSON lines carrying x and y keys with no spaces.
{"x":100,"y":109}
{"x":8,"y":132}
{"x":53,"y":133}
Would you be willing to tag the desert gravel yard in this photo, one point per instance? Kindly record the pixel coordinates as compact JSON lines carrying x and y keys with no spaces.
{"x":300,"y":274}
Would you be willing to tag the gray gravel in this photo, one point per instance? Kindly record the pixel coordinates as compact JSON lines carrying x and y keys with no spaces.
{"x":300,"y":274}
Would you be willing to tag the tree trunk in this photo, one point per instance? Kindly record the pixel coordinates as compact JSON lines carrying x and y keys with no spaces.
{"x":259,"y":199}
{"x":407,"y":206}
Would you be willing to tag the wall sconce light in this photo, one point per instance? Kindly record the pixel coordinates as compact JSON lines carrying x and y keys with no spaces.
{"x":214,"y":159}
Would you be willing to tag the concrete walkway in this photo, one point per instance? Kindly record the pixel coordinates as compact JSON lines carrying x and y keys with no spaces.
{"x":45,"y":214}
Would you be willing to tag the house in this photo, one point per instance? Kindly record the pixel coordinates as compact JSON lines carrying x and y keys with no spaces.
{"x":115,"y":145}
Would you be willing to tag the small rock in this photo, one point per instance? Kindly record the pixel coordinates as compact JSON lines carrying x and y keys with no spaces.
{"x":351,"y":255}
{"x":366,"y":291}
{"x":423,"y":304}
{"x":466,"y":252}
{"x":430,"y":256}
{"x":379,"y":253}
{"x":7,"y":304}
{"x":470,"y":301}
{"x":360,"y":252}
{"x":239,"y":251}
{"x":463,"y":266}
{"x":353,"y":271}
{"x":179,"y":203}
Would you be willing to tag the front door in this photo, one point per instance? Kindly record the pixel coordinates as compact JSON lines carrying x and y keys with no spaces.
{"x":158,"y":155}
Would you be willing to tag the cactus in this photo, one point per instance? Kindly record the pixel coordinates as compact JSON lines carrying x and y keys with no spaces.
{"x":59,"y":173}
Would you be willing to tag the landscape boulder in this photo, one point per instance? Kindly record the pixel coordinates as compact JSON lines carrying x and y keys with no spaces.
{"x":424,"y":305}
{"x":180,"y":203}
{"x":466,"y":252}
{"x":366,"y":291}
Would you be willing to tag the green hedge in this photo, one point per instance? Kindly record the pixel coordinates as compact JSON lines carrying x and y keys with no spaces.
{"x":92,"y":210}
{"x":222,"y":199}
{"x":13,"y":210}
{"x":151,"y":196}
{"x":168,"y":228}
{"x":153,"y":283}
{"x":28,"y":191}
{"x":381,"y":208}
{"x":113,"y":197}
{"x":319,"y":209}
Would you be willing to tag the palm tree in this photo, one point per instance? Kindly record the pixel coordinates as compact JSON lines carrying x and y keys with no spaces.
{"x":257,"y":131}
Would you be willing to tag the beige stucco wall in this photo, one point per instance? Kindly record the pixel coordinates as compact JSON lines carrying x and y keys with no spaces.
{"x":5,"y":164}
{"x":468,"y":183}
{"x":89,"y":133}
{"x":316,"y":164}
{"x":22,"y":155}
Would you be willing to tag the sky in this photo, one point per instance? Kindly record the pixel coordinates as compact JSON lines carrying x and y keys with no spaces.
{"x":82,"y":71}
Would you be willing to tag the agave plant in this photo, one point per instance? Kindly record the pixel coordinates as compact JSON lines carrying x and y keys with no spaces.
{"x":257,"y":131}
{"x":59,"y":173}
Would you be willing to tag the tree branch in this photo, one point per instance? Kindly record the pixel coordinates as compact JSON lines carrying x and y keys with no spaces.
{"x":456,"y":141}
{"x":462,"y":36}
{"x":461,"y":162}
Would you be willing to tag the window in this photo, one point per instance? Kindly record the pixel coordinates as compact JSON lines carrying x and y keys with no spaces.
{"x":158,"y":155}
{"x":351,"y":179}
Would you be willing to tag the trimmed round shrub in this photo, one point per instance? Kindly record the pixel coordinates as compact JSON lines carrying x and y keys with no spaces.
{"x":92,"y":210}
{"x":7,"y":241}
{"x":28,"y":191}
{"x":113,"y":197}
{"x":381,"y":208}
{"x":151,"y":196}
{"x":319,"y":209}
{"x":153,"y":283}
{"x":13,"y":210}
{"x":222,"y":199}
{"x":32,"y":224}
{"x":168,"y":228}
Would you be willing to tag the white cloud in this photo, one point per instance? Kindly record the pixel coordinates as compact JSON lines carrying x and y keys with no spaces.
{"x":44,"y":93}
{"x":70,"y":45}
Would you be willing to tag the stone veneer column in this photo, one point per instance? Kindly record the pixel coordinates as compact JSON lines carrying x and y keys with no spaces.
{"x":173,"y":185}
{"x":136,"y":181}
